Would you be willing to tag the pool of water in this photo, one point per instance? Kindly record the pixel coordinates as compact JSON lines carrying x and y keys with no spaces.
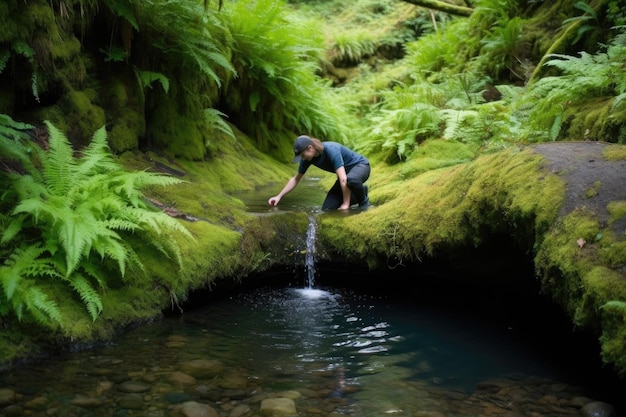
{"x":307,"y":196}
{"x":324,"y":351}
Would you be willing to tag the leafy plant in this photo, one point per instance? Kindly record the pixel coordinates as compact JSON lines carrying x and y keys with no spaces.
{"x":183,"y":31}
{"x":583,"y":77}
{"x":68,"y":224}
{"x":350,"y":47}
{"x":588,"y":21}
{"x":501,"y":47}
{"x":277,"y":91}
{"x":21,"y":48}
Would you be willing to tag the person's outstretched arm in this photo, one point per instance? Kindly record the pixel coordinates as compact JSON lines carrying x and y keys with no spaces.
{"x":291,"y":184}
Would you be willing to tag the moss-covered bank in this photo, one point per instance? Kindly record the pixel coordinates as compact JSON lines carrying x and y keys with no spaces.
{"x":419,"y":213}
{"x":579,"y":258}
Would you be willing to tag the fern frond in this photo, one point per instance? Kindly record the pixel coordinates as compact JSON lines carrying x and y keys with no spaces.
{"x":123,"y":8}
{"x":58,"y":162}
{"x":12,"y":229}
{"x":87,"y":293}
{"x":147,"y":78}
{"x":41,"y":307}
{"x":95,"y":158}
{"x":215,"y":120}
{"x":128,"y":185}
{"x":14,"y":141}
{"x":16,"y":278}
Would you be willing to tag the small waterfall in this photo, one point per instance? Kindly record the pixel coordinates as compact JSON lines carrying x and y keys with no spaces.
{"x":309,"y":262}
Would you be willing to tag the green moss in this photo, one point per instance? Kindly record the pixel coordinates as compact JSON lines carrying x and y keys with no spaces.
{"x":574,"y":265}
{"x":76,"y":116}
{"x":65,"y":50}
{"x":615,"y":152}
{"x":617,"y":211}
{"x":592,"y":192}
{"x":590,"y":120}
{"x":127,"y":129}
{"x":613,"y":338}
{"x":505,"y":192}
{"x":121,"y":96}
{"x":601,"y":285}
{"x":435,"y":154}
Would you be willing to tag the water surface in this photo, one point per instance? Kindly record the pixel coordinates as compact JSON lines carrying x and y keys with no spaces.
{"x":330,"y":350}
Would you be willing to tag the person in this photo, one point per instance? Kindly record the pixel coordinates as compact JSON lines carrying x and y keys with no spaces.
{"x":352,"y":171}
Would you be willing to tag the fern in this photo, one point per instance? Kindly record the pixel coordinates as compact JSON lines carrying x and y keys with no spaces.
{"x":277,"y":91}
{"x":147,"y":78}
{"x":351,"y":46}
{"x":80,"y":206}
{"x":123,"y":8}
{"x":181,"y":29}
{"x":215,"y":120}
{"x":21,"y":48}
{"x":18,"y":278}
{"x":582,"y":77}
{"x":13,"y":138}
{"x":589,"y":19}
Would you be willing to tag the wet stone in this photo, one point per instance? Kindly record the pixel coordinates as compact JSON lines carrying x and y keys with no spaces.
{"x":131,"y":402}
{"x":133,"y":387}
{"x":598,"y":409}
{"x":7,"y":396}
{"x":38,"y":404}
{"x":176,"y":397}
{"x":12,"y":411}
{"x":240,"y":410}
{"x":208,"y":392}
{"x":294,"y":395}
{"x":257,"y":398}
{"x":234,"y":394}
{"x":202,"y":368}
{"x":195,"y":409}
{"x":278,"y":407}
{"x":86,"y":402}
{"x":233,"y":380}
{"x":181,"y":378}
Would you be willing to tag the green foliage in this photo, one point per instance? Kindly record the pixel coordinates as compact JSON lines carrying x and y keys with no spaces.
{"x":440,"y":50}
{"x":12,"y":136}
{"x":68,"y":223}
{"x":349,"y":47}
{"x":500,"y":48}
{"x":589,"y":20}
{"x":124,"y":9}
{"x":215,"y":121}
{"x":184,"y":32}
{"x":21,"y":48}
{"x":583,"y":77}
{"x":277,"y":91}
{"x":147,"y":78}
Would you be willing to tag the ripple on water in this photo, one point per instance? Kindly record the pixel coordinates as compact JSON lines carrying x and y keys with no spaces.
{"x":326,"y":351}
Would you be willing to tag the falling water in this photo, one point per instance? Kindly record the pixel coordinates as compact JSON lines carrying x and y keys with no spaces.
{"x":310,"y":252}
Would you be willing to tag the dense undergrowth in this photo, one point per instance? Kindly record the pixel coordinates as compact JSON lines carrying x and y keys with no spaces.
{"x":214,"y":92}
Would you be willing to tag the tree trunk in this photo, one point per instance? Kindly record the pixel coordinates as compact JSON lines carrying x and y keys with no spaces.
{"x":444,"y":7}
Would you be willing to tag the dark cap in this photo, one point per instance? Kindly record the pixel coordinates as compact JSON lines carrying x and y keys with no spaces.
{"x":301,"y":143}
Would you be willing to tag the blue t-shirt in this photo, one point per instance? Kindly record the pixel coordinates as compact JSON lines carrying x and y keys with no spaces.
{"x":334,"y":156}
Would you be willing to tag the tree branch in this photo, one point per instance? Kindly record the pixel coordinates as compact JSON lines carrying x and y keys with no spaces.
{"x":444,"y":7}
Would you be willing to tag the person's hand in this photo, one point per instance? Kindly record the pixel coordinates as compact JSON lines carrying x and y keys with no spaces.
{"x":344,"y":207}
{"x":273,"y":201}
